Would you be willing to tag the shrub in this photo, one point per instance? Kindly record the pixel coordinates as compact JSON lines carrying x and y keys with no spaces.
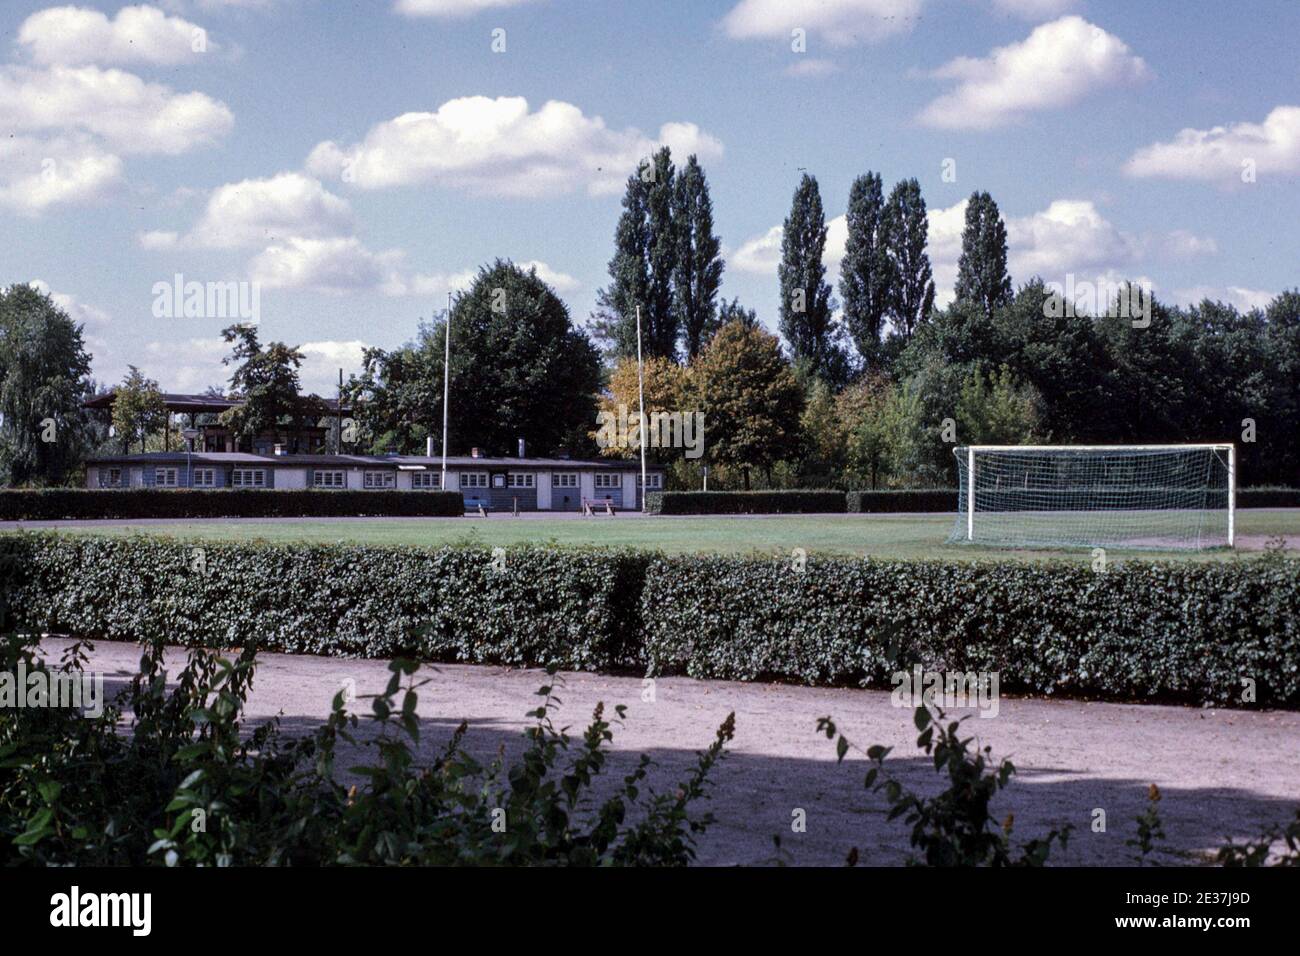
{"x":744,"y":502}
{"x":1186,"y":631}
{"x":53,"y":504}
{"x":955,"y":826}
{"x":78,"y":790}
{"x":518,"y":606}
{"x":903,"y":501}
{"x":1178,"y":631}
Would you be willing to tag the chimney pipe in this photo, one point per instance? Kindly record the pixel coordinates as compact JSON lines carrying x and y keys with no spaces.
{"x":428,"y":446}
{"x":474,"y":453}
{"x":522,"y":449}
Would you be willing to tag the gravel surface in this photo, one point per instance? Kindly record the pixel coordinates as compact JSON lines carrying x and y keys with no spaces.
{"x":1221,"y":772}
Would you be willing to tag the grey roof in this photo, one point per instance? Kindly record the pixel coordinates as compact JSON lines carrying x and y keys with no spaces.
{"x":365,"y":461}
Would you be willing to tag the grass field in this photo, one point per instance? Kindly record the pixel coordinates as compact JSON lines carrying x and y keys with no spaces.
{"x":885,"y":536}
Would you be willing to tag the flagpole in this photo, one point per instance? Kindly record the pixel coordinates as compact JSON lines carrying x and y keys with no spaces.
{"x":640,"y":388}
{"x":446,"y":392}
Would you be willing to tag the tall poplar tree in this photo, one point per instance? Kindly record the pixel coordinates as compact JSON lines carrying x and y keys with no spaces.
{"x":807,"y":310}
{"x":982,"y":277}
{"x":865,"y":277}
{"x":906,"y":233}
{"x":699,"y":260}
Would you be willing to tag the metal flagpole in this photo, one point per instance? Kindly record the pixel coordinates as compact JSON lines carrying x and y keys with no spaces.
{"x":446,"y":392}
{"x":640,"y":388}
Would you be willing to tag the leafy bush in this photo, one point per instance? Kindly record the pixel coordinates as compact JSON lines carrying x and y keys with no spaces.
{"x":954,"y":827}
{"x":187,"y":784}
{"x":744,"y":502}
{"x":53,"y":504}
{"x":910,"y":501}
{"x":519,"y":606}
{"x":1179,"y":631}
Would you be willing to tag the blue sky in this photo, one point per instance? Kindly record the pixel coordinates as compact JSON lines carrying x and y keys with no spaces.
{"x":357,"y":159}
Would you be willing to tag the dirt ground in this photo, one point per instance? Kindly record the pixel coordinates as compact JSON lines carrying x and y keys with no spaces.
{"x":1222,"y":773}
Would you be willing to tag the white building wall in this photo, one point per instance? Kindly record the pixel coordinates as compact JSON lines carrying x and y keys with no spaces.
{"x":356,"y":478}
{"x":629,"y":489}
{"x":291,"y":477}
{"x":137,"y":478}
{"x":92,"y":477}
{"x":543,"y":491}
{"x":587,"y":485}
{"x":453,"y":479}
{"x":404,"y":480}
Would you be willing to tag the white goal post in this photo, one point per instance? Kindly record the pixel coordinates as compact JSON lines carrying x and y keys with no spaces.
{"x":1163,"y":497}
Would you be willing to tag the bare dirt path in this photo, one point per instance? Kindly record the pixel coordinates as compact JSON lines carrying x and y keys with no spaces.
{"x":1222,"y":772}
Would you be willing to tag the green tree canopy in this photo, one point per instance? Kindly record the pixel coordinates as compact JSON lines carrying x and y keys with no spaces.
{"x":982,"y":269}
{"x":138,"y":409}
{"x":906,"y":234}
{"x":865,"y":279}
{"x":807,"y":309}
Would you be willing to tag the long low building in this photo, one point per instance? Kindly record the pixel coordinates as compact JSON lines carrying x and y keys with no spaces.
{"x":497,"y":484}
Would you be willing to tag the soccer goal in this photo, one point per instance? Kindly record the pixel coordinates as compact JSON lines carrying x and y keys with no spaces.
{"x":1164,"y":497}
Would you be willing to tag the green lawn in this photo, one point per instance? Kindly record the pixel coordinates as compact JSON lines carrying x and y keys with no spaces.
{"x":905,"y":536}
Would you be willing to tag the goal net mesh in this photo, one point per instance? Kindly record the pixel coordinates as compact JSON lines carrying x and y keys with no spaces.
{"x":1131,"y":498}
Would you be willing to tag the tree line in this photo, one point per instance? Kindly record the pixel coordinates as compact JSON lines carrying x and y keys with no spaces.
{"x":873,"y":389}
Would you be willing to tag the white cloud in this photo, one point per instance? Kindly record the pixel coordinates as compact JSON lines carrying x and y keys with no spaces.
{"x":1057,"y":64}
{"x":1035,"y":9}
{"x":38,"y":174}
{"x":255,"y":212}
{"x":321,"y":362}
{"x":838,"y":22}
{"x":451,"y":8}
{"x":760,"y":255}
{"x":1244,"y":299}
{"x":73,"y":36}
{"x":437,"y":285}
{"x":340,"y":264}
{"x":201,"y":364}
{"x":497,"y":146}
{"x":129,"y":114}
{"x":83,"y":313}
{"x":1222,"y":152}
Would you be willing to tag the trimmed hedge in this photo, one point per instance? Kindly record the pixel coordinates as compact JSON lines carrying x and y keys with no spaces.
{"x":745,"y":502}
{"x":1268,"y":497}
{"x":1178,"y":631}
{"x":910,"y":501}
{"x":572,"y":609}
{"x":52,"y":504}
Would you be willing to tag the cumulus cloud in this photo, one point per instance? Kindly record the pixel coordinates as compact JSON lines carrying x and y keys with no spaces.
{"x":1184,"y":244}
{"x":39,"y":173}
{"x":257,"y":211}
{"x":202,"y":366}
{"x":340,"y":264}
{"x":838,"y":22}
{"x":498,"y":146}
{"x":83,"y":313}
{"x":1225,"y":152}
{"x":1057,"y":64}
{"x":450,"y":9}
{"x":75,"y":36}
{"x":127,"y":113}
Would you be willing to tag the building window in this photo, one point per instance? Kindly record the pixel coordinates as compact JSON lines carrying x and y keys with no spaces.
{"x":165,"y":477}
{"x":564,"y":480}
{"x":205,"y":478}
{"x":521,"y":479}
{"x":654,"y":481}
{"x":474,"y":479}
{"x":426,"y":479}
{"x":380,"y":479}
{"x":114,"y":479}
{"x":248,"y":478}
{"x":607,"y":481}
{"x":328,"y":479}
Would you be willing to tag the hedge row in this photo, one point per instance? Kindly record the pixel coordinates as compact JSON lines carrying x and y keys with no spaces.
{"x":53,"y":504}
{"x":745,"y":502}
{"x":1186,"y":631}
{"x":910,"y":501}
{"x":884,"y":501}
